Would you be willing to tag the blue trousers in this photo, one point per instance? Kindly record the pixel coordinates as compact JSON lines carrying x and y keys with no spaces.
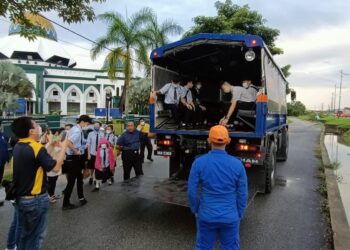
{"x":14,"y":231}
{"x":32,"y":219}
{"x":226,"y":233}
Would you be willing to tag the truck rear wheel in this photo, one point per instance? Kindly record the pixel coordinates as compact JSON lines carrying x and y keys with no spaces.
{"x":282,"y":154}
{"x":270,"y":168}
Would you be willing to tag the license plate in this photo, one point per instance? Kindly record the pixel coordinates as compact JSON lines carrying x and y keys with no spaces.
{"x":164,"y":153}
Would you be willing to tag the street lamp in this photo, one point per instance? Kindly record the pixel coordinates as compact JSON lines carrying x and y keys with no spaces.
{"x":108,"y":103}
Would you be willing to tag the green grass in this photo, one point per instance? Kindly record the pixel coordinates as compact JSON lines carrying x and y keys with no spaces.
{"x":342,"y":123}
{"x":346,"y":138}
{"x":311,"y":116}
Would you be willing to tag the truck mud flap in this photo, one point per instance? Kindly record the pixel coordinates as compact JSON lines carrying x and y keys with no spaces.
{"x":256,"y":181}
{"x":164,"y":190}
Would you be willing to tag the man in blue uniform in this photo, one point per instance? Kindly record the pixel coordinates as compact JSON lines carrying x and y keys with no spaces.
{"x":218,"y":194}
{"x":129,"y":143}
{"x":75,"y":163}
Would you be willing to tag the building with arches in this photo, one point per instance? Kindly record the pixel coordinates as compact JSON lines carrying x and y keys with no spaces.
{"x":60,"y":87}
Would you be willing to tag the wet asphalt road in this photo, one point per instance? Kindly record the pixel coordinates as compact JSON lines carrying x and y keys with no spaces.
{"x":289,"y":218}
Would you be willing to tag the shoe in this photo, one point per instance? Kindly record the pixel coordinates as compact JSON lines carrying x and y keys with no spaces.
{"x":52,"y":199}
{"x":150,"y":159}
{"x":95,"y":189}
{"x":112,"y":179}
{"x":110,"y":182}
{"x":91,"y":181}
{"x":69,"y":207}
{"x":83,"y":202}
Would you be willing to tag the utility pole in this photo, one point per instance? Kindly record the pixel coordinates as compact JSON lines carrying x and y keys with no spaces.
{"x":332,"y":103}
{"x":335,"y":96}
{"x":341,"y":82}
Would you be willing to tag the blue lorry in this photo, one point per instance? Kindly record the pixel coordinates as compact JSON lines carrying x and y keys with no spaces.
{"x":261,"y":138}
{"x":259,"y":135}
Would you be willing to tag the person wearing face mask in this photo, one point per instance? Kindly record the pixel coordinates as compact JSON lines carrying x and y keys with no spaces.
{"x":109,"y":135}
{"x":75,"y":163}
{"x":105,"y":163}
{"x":145,"y":141}
{"x":92,"y":141}
{"x":112,"y":138}
{"x":200,"y":110}
{"x":31,"y":161}
{"x":242,"y":98}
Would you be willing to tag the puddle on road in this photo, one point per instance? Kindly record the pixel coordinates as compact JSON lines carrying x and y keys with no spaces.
{"x":340,"y":153}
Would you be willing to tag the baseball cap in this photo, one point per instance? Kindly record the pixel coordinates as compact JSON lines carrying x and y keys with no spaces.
{"x":218,"y":134}
{"x":85,"y":118}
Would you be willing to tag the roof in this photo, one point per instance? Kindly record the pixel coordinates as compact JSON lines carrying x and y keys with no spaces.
{"x":37,"y":21}
{"x":248,"y":40}
{"x":48,"y":50}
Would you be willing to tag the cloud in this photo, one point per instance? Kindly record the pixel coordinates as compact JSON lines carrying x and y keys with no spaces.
{"x":314,"y":35}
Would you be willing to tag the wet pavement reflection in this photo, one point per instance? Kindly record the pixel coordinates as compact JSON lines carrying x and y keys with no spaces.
{"x":339,"y":155}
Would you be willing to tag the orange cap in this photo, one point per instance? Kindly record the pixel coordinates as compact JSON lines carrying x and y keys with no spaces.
{"x":218,"y":134}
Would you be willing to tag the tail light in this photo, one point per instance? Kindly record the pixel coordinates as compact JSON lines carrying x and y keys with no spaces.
{"x":165,"y":142}
{"x":246,"y":147}
{"x":258,"y":155}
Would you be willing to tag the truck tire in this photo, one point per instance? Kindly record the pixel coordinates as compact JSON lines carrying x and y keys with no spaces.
{"x":270,"y":168}
{"x":282,"y":154}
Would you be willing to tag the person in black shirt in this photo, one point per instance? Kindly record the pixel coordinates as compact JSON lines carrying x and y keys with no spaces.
{"x":31,"y":161}
{"x":200,"y":110}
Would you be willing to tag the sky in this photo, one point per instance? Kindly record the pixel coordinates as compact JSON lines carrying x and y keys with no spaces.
{"x":314,"y":34}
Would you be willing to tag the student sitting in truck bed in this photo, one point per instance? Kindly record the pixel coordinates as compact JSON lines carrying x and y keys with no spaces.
{"x":242,"y":98}
{"x":200,"y":109}
{"x":172,"y":92}
{"x":186,"y":106}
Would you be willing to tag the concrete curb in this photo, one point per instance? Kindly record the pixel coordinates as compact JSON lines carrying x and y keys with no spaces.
{"x":340,"y":227}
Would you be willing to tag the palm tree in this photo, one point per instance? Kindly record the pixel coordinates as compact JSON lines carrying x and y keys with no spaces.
{"x":157,"y":34}
{"x":126,"y":35}
{"x":14,"y":83}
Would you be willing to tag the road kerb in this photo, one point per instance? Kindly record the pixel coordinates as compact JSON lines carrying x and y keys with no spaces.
{"x":340,"y":227}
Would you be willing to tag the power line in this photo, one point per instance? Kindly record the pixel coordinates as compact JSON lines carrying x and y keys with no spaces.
{"x":81,"y":36}
{"x":73,"y":44}
{"x":4,"y":20}
{"x":86,"y":38}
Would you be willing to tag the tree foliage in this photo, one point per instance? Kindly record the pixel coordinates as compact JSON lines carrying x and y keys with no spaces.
{"x":234,"y":19}
{"x":127,"y":37}
{"x":130,"y":39}
{"x":296,"y":108}
{"x":71,"y":11}
{"x":139,"y":95}
{"x":157,"y":34}
{"x":14,"y":83}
